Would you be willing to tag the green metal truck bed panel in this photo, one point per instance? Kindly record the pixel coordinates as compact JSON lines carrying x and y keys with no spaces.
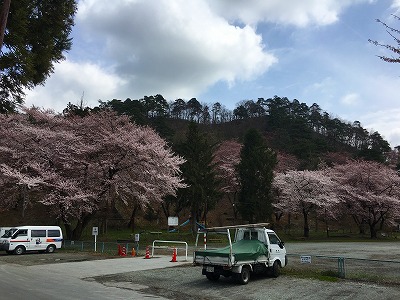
{"x":243,"y":250}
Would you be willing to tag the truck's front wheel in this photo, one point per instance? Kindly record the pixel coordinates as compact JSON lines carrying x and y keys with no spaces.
{"x":244,"y":276}
{"x":275,"y":269}
{"x":212,"y":276}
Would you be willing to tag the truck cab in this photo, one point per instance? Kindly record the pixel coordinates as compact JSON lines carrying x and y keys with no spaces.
{"x":269,"y":238}
{"x":255,"y":249}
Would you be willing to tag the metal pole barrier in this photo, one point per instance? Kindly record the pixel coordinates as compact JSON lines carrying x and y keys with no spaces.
{"x":341,"y":267}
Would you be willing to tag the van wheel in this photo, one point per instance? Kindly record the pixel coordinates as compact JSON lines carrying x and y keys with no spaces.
{"x":276,"y":269}
{"x":50,"y":248}
{"x":19,"y":250}
{"x":244,"y":276}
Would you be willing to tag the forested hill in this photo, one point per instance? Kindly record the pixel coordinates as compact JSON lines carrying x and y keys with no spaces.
{"x":289,"y":125}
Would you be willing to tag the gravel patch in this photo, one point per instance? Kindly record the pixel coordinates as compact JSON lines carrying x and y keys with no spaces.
{"x":187,"y":283}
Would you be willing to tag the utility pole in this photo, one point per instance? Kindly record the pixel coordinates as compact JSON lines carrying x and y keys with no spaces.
{"x":3,"y":20}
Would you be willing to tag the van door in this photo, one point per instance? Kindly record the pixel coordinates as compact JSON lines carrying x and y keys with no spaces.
{"x":37,"y":239}
{"x":20,"y":237}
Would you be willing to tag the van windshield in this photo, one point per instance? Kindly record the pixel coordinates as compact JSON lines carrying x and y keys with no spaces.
{"x":9,"y":233}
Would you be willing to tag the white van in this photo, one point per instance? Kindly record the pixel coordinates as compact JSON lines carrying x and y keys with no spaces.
{"x":17,"y":240}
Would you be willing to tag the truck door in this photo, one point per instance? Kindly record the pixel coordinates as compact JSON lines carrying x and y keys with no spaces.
{"x":276,"y":249}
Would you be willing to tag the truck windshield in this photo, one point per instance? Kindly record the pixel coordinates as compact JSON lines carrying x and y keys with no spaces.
{"x":9,"y":233}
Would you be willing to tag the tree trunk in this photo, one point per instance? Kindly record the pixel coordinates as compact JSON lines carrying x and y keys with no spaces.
{"x":24,"y":199}
{"x":306,"y":225}
{"x":131,"y":223}
{"x":3,"y":20}
{"x":165,"y":208}
{"x":278,"y":215}
{"x":234,"y":208}
{"x":373,"y":231}
{"x":74,"y":234}
{"x":68,"y":230}
{"x":193,"y":222}
{"x":360,"y":224}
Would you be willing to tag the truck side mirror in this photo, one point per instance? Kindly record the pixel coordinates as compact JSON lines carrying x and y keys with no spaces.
{"x":281,"y":244}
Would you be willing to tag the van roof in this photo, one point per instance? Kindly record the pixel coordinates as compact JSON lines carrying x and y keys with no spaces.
{"x":37,"y":227}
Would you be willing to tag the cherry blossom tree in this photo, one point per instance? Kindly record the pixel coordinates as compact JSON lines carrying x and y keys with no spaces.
{"x":226,"y":159}
{"x":370,"y":191}
{"x":303,"y":192}
{"x":82,"y":164}
{"x":286,"y":162}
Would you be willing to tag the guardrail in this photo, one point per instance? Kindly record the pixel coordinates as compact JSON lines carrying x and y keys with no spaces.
{"x":170,"y":247}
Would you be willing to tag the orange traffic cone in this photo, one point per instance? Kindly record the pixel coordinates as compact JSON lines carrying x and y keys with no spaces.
{"x":133,"y":253}
{"x":147,"y":252}
{"x":174,"y":256}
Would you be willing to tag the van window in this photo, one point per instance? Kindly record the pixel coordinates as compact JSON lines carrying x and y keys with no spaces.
{"x":38,"y":233}
{"x":21,"y":232}
{"x":53,"y":233}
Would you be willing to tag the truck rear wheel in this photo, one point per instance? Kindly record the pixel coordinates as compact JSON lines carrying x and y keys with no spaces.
{"x":244,"y":276}
{"x":212,"y":276}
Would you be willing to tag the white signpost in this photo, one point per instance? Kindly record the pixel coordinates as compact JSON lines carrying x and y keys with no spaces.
{"x":305,"y":259}
{"x":95,"y":232}
{"x":173,"y":221}
{"x":137,"y":237}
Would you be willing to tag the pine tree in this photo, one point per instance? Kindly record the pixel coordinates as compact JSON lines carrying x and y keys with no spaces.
{"x":256,"y":174}
{"x":36,"y":35}
{"x":198,"y":173}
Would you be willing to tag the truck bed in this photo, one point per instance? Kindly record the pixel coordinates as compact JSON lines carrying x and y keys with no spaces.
{"x":243,"y":250}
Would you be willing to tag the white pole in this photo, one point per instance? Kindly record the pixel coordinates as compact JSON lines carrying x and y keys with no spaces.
{"x":95,"y":239}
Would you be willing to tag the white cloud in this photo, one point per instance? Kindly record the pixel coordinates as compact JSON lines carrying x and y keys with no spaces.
{"x":177,"y":48}
{"x":396,"y":4}
{"x":293,"y":12}
{"x":70,"y":82}
{"x":351,"y":99}
{"x":386,"y":122}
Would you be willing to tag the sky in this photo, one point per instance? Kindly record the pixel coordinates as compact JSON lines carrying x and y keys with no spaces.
{"x":227,"y":51}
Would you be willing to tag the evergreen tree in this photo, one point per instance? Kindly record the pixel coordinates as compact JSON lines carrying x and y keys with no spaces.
{"x":198,"y":173}
{"x":256,"y":173}
{"x":35,"y":37}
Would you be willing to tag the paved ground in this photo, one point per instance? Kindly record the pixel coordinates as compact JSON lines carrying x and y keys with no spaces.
{"x":187,"y":283}
{"x":72,"y":280}
{"x":64,"y":275}
{"x":364,"y":250}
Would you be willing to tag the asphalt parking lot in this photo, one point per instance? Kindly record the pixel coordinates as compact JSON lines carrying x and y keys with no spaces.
{"x":94,"y":276}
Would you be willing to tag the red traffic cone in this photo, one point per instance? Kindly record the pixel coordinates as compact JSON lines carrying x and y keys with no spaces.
{"x":123,"y":251}
{"x":119,"y":250}
{"x":174,"y":256}
{"x":147,"y":252}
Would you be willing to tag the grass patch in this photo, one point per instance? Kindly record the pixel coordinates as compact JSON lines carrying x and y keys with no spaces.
{"x":329,"y":275}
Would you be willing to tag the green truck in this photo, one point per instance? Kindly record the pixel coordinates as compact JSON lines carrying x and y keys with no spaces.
{"x":255,"y":249}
